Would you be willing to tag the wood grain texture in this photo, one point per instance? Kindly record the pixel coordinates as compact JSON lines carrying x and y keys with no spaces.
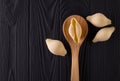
{"x":24,"y":26}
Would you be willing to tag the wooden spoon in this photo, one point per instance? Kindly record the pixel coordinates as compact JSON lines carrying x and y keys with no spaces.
{"x":75,"y":47}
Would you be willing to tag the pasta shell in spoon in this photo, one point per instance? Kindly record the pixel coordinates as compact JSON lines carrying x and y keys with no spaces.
{"x":99,"y":20}
{"x":75,"y":30}
{"x":104,"y":34}
{"x":56,"y":47}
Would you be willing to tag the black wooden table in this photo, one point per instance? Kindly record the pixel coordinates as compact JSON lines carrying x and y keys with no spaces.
{"x":24,"y":26}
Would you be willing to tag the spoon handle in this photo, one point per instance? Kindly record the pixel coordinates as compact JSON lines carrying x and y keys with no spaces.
{"x":75,"y":66}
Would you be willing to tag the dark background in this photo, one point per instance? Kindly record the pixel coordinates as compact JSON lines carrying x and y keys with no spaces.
{"x":24,"y":26}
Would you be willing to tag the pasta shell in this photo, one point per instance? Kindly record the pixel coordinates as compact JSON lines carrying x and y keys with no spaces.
{"x":56,"y":47}
{"x":104,"y":34}
{"x":75,"y":30}
{"x":99,"y":20}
